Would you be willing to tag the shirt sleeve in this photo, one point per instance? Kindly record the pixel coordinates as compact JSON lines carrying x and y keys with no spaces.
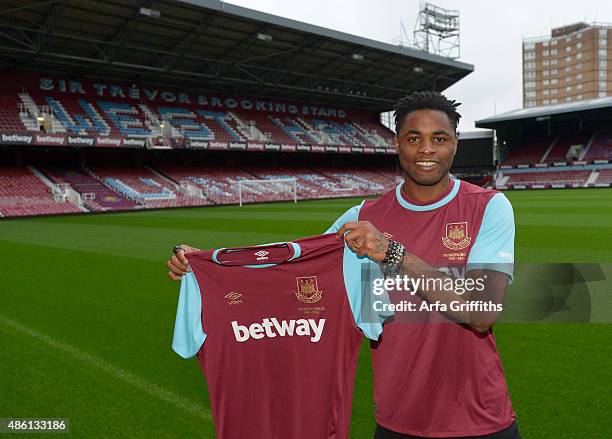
{"x":494,"y":245}
{"x":359,"y":274}
{"x":188,"y":333}
{"x":350,"y":215}
{"x":369,"y":311}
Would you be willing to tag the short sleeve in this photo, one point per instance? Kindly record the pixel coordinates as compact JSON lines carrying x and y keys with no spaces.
{"x":350,"y":215}
{"x":359,"y":274}
{"x":494,"y":245}
{"x":188,"y":333}
{"x":369,"y":309}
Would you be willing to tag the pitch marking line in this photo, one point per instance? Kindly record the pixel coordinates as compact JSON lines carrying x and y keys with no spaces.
{"x":136,"y":381}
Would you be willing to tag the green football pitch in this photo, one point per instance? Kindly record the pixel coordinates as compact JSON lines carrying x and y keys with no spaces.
{"x":87,"y":314}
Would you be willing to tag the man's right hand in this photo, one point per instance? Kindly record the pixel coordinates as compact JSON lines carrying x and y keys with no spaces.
{"x":178,"y":263}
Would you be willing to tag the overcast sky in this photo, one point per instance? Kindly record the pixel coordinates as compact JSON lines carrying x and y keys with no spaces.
{"x":491,"y":36}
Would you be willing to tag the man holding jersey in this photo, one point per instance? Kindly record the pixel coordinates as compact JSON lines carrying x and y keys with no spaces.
{"x":436,"y":374}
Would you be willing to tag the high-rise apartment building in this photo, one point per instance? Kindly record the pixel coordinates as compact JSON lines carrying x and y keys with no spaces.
{"x":573,"y":64}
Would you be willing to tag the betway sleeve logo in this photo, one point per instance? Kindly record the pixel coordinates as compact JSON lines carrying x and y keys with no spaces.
{"x":285,"y":328}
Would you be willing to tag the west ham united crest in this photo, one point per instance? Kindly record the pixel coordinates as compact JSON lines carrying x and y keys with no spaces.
{"x":307,"y":289}
{"x":456,"y":236}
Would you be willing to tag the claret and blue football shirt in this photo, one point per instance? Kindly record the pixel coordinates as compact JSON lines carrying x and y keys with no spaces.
{"x":442,"y":379}
{"x":276,"y":330}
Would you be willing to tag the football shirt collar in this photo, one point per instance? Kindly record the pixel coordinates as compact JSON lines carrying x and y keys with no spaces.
{"x":294,"y":253}
{"x":446,"y":197}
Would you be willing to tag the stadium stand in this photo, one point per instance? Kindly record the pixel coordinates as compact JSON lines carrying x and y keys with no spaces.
{"x":601,"y":148}
{"x":62,"y":113}
{"x":102,"y":197}
{"x":89,"y":114}
{"x":80,"y":118}
{"x":573,"y":159}
{"x":527,"y":167}
{"x":549,"y":178}
{"x":361,"y":181}
{"x":569,"y":134}
{"x":529,"y":151}
{"x":566,"y":148}
{"x":143,"y":186}
{"x":560,"y":152}
{"x":571,"y":176}
{"x":23,"y":193}
{"x":483,"y":181}
{"x":218,"y":184}
{"x":10,"y":113}
{"x":604,"y":177}
{"x":309,"y":184}
{"x":329,"y":182}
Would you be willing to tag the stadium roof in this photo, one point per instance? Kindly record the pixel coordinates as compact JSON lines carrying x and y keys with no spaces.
{"x":550,"y":111}
{"x":478,"y":134}
{"x":213,"y":46}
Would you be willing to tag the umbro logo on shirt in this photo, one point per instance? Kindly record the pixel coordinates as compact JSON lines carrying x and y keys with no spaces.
{"x":271,"y":328}
{"x":233,"y":298}
{"x":261,"y":255}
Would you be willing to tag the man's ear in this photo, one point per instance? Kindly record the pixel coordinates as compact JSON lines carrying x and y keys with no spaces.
{"x":396,"y":143}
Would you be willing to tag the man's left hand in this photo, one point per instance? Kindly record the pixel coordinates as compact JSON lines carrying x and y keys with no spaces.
{"x":364,"y":239}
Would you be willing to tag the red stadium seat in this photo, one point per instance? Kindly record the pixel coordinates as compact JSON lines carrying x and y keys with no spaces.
{"x":23,"y":193}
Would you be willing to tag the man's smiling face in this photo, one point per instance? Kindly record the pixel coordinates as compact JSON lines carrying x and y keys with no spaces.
{"x":426,"y":144}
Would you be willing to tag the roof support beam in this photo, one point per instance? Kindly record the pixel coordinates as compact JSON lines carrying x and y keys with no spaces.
{"x":306,"y":47}
{"x":209,"y":48}
{"x":48,"y":25}
{"x":250,"y":42}
{"x":30,"y":6}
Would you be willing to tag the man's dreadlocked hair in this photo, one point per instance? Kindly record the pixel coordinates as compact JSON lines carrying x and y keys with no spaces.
{"x":425,"y":100}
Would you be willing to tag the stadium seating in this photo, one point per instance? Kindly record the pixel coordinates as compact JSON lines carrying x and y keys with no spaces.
{"x":601,"y":148}
{"x":548,"y":178}
{"x":221,"y":185}
{"x":358,"y":181}
{"x":604,"y":177}
{"x":23,"y":193}
{"x":88,"y":114}
{"x":562,"y":145}
{"x":218,"y":184}
{"x":9,"y":113}
{"x":272,"y":130}
{"x":117,"y":187}
{"x":329,"y":182}
{"x":391,"y":175}
{"x":84,"y":183}
{"x":532,"y":152}
{"x":309,"y":184}
{"x":143,"y":186}
{"x":529,"y":152}
{"x":485,"y":181}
